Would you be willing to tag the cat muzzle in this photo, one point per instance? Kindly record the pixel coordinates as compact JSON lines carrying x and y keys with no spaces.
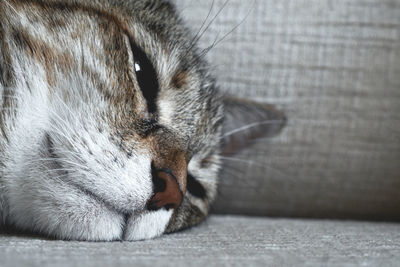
{"x":167,"y":192}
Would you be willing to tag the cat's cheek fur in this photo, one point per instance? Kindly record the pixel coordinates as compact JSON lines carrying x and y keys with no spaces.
{"x":61,"y":210}
{"x":69,"y":83}
{"x":149,"y":224}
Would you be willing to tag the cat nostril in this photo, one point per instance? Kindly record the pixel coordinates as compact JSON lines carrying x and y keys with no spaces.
{"x":166,"y":191}
{"x":159,"y":184}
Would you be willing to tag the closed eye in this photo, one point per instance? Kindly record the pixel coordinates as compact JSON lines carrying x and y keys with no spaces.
{"x":146,"y":77}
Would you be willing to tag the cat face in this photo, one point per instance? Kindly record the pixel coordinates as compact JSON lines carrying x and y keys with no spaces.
{"x":115,"y":123}
{"x":111,"y":124}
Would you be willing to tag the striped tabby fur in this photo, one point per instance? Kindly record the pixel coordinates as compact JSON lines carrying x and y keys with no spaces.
{"x":80,"y":131}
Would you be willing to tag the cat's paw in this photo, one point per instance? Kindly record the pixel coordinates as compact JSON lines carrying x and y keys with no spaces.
{"x":147,"y":225}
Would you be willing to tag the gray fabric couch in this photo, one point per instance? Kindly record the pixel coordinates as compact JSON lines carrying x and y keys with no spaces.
{"x":224,"y":241}
{"x":334,"y":68}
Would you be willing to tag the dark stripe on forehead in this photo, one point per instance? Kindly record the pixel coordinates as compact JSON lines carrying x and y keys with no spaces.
{"x":7,"y":82}
{"x":67,"y":6}
{"x":7,"y":78}
{"x":147,"y":79}
{"x":49,"y":56}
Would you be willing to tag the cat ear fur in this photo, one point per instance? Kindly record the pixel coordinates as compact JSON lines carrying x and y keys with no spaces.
{"x":246,"y":121}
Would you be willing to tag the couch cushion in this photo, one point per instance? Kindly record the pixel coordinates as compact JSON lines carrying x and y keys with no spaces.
{"x":224,"y":241}
{"x":334,"y":68}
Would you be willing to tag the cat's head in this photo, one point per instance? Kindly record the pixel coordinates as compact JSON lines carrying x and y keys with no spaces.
{"x":113,"y":127}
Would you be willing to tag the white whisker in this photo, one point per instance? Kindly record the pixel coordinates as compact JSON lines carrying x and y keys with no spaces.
{"x":251,"y":125}
{"x":238,"y":160}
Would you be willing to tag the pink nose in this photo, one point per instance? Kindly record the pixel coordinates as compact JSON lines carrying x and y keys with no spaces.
{"x":167,"y":193}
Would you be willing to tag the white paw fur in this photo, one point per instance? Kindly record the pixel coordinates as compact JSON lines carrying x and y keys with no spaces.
{"x":149,"y":224}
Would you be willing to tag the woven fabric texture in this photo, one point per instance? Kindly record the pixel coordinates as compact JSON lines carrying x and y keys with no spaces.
{"x":334,"y":68}
{"x":223,"y":241}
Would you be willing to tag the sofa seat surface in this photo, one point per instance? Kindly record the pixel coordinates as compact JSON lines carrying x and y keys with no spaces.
{"x":224,"y":241}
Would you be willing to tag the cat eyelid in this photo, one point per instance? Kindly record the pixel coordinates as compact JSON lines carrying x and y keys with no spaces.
{"x":146,"y":76}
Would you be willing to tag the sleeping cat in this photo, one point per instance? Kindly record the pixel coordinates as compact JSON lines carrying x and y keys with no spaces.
{"x":111,"y":126}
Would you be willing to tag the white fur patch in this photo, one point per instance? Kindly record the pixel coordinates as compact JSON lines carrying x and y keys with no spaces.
{"x":147,"y":225}
{"x":166,"y":112}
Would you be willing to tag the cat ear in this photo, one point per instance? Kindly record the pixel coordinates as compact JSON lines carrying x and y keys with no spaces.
{"x":246,"y":121}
